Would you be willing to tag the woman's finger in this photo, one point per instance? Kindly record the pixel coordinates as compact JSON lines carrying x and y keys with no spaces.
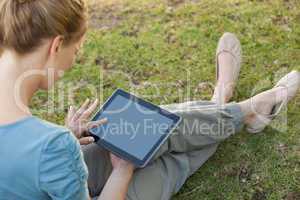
{"x":94,"y":124}
{"x":81,"y":110}
{"x":87,"y":113}
{"x":71,"y":113}
{"x":86,"y":140}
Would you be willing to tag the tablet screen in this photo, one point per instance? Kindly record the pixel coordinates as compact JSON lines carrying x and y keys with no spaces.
{"x":132,"y":127}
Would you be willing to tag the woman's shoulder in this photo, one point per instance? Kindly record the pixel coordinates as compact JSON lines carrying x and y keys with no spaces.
{"x":48,"y":127}
{"x":55,"y":138}
{"x":34,"y":132}
{"x":48,"y":132}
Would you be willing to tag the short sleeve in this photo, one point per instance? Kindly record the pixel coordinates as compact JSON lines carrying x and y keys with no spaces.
{"x":63,"y":173}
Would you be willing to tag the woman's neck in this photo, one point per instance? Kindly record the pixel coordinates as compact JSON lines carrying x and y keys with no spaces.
{"x":17,"y":86}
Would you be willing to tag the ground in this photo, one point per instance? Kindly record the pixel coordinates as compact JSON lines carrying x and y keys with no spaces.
{"x":165,"y":49}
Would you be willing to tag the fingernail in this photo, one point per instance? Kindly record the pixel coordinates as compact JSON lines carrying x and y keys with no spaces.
{"x":91,"y":139}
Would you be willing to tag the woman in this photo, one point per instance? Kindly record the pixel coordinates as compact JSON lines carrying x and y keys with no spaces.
{"x":40,"y":160}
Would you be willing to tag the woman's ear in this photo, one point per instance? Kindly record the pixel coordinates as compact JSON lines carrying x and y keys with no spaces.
{"x":56,"y":45}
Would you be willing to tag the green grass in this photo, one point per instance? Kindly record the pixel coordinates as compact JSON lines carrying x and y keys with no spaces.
{"x":171,"y":45}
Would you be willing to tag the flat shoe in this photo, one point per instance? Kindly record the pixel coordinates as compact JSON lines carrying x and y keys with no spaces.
{"x":291,"y":82}
{"x":229,"y":43}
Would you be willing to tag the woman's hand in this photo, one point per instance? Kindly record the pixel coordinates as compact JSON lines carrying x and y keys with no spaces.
{"x":119,"y":163}
{"x":78,"y":121}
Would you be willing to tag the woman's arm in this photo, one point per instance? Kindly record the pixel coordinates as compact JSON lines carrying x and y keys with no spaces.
{"x":117,"y":185}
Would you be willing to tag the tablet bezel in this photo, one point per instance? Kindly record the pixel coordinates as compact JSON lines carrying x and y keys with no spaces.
{"x":123,"y":154}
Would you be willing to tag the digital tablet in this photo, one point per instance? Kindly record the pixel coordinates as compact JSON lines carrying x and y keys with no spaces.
{"x":135,"y":128}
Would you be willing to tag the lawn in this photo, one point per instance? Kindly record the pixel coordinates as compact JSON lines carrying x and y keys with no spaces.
{"x":164,"y":50}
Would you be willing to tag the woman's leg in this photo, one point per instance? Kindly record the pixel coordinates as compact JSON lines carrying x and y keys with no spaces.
{"x":166,"y":175}
{"x":204,"y":124}
{"x":183,"y":154}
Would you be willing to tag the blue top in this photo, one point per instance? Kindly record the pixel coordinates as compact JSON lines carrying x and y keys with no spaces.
{"x":40,"y":160}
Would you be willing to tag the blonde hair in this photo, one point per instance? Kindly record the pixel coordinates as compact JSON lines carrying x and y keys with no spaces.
{"x":24,"y":24}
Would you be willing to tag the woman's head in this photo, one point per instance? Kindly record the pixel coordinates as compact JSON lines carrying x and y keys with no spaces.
{"x":56,"y":26}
